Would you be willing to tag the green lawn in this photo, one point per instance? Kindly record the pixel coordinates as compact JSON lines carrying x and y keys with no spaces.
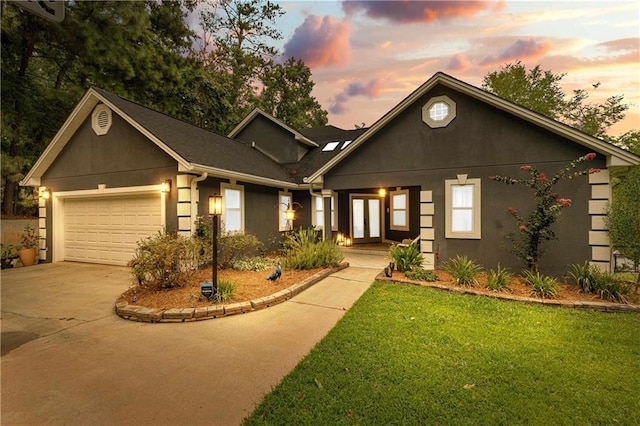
{"x":411,"y":355}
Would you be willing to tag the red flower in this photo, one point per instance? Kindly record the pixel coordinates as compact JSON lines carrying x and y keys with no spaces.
{"x":554,"y":195}
{"x":593,"y":170}
{"x":542,"y":177}
{"x":523,"y":228}
{"x":566,"y":202}
{"x":525,"y":168}
{"x":590,"y":156}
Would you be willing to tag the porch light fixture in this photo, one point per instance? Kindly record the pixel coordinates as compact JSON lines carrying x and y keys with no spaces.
{"x":44,"y":194}
{"x":289,"y":214}
{"x":165,"y":187}
{"x":382,"y":192}
{"x":347,"y":242}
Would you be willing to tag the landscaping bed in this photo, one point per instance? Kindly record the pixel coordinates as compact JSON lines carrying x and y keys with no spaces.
{"x":568,"y":294}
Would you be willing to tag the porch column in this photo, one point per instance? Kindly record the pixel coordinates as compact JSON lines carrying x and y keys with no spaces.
{"x":327,"y":232}
{"x":599,"y":233}
{"x":427,"y":234}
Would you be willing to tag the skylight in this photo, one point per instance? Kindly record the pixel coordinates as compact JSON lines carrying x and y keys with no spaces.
{"x":330,"y":146}
{"x":346,"y":143}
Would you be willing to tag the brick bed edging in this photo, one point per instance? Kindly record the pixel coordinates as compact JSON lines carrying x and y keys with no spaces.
{"x":577,"y":304}
{"x":144,"y":314}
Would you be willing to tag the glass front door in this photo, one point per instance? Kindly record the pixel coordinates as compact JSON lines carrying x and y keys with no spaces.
{"x":366,"y":219}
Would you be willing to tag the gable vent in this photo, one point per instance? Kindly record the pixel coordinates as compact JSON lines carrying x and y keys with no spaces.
{"x":101,"y":119}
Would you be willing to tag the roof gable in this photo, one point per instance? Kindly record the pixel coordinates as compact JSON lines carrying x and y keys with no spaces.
{"x":615,"y":156}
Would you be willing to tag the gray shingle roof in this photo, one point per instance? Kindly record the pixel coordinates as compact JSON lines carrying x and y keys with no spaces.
{"x":200,"y":146}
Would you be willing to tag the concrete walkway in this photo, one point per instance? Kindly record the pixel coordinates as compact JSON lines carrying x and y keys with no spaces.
{"x":68,"y":359}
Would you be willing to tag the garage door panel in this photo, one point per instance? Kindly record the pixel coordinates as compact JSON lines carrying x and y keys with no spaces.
{"x":107,"y":230}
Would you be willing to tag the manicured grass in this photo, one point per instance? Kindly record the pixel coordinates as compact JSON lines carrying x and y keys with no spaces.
{"x":411,"y":355}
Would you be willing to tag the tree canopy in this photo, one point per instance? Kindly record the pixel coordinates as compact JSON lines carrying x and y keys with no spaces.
{"x":540,"y":91}
{"x":143,"y":51}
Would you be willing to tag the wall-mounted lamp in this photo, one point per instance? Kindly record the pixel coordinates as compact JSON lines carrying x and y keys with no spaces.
{"x":44,"y":194}
{"x":382,"y":192}
{"x":290,"y":213}
{"x":166,"y":186}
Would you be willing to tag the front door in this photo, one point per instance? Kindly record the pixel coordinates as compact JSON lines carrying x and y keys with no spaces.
{"x":366,"y":219}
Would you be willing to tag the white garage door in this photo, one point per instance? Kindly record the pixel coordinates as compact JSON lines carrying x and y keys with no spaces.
{"x":106,"y":230}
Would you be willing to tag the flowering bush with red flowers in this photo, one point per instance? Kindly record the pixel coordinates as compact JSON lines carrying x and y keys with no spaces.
{"x":535,"y":228}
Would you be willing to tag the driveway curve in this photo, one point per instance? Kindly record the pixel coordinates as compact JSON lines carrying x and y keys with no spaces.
{"x":67,"y":358}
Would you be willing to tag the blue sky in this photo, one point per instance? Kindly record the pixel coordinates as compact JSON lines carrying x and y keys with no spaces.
{"x":366,"y":57}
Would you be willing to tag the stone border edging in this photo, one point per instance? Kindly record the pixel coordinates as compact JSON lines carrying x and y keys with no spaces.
{"x":153,"y":315}
{"x":581,"y":304}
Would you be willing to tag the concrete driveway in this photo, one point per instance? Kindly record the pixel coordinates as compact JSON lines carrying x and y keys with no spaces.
{"x":68,"y":359}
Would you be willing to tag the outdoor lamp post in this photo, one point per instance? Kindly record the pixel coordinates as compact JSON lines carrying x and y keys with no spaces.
{"x":215,"y":210}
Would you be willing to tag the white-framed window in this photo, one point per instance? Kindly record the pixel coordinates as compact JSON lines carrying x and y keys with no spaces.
{"x":232,"y":207}
{"x":286,"y":201}
{"x":318,"y":212}
{"x":462,"y":204}
{"x":439,"y":112}
{"x":399,"y":210}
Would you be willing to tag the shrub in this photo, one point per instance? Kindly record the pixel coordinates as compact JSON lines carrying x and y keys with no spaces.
{"x":541,"y":285}
{"x":584,"y":276}
{"x":591,"y":279}
{"x":232,"y":246}
{"x":498,"y":279}
{"x":406,"y":258}
{"x":226,"y":291}
{"x":256,"y":263}
{"x":164,"y":261}
{"x":304,"y":251}
{"x":421,"y":274}
{"x":463,"y":270}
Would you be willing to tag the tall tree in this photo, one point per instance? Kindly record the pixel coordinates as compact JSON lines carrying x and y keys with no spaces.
{"x":135,"y":49}
{"x":287,"y":95}
{"x":240,"y":32}
{"x":540,"y":91}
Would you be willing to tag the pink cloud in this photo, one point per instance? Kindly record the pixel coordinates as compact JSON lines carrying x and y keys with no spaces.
{"x":371,"y":89}
{"x":320,"y":41}
{"x":458,"y":63}
{"x":408,"y":11}
{"x":520,"y":50}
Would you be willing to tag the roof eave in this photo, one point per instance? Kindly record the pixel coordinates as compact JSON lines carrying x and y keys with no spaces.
{"x":244,"y":177}
{"x":297,"y":135}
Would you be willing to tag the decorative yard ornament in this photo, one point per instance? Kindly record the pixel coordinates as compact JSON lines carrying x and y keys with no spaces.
{"x":277,"y":273}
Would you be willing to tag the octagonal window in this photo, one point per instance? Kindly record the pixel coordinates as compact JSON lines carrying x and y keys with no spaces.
{"x":439,"y":112}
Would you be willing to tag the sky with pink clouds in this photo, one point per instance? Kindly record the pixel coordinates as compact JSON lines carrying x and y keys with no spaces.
{"x":366,"y":56}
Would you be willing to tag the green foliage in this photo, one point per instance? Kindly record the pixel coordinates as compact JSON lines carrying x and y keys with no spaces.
{"x":463,"y":270}
{"x":541,"y":285}
{"x":406,"y":258}
{"x":226,"y":291}
{"x":584,"y":276}
{"x":541,"y":92}
{"x":623,"y":217}
{"x":232,"y":246}
{"x":29,"y":238}
{"x":256,"y":263}
{"x":165,"y":261}
{"x":535,"y":229}
{"x":498,"y":279}
{"x":591,"y":279}
{"x":304,"y":251}
{"x":421,"y":274}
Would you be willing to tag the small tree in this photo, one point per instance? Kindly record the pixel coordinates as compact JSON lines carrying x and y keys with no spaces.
{"x":623,"y":217}
{"x":535,"y":228}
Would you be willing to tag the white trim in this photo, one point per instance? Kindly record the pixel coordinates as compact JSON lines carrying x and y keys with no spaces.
{"x":392,"y":226}
{"x":231,"y":175}
{"x":444,"y":122}
{"x":334,"y":210}
{"x":476,"y":209}
{"x":58,"y":198}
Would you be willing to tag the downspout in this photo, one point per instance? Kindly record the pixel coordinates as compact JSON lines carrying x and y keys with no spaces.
{"x":194,"y":201}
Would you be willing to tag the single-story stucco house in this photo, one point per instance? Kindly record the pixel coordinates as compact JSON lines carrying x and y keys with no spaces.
{"x":117,"y":172}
